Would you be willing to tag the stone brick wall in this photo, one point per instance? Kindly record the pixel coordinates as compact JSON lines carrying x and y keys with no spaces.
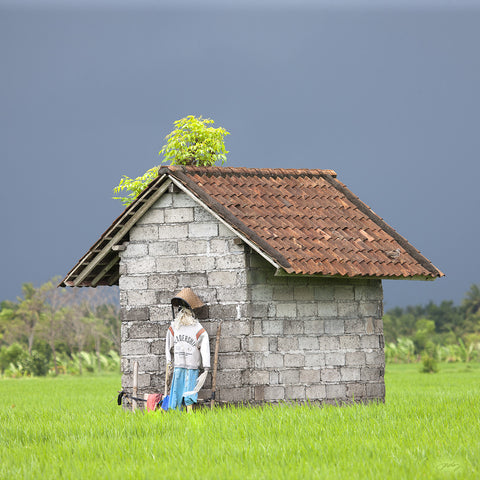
{"x":314,"y":338}
{"x":283,"y":338}
{"x":178,"y":244}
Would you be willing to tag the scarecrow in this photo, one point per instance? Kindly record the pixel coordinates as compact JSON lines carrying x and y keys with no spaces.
{"x":191,"y":350}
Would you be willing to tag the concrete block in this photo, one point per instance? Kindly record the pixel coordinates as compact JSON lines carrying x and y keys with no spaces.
{"x":144,"y":233}
{"x":133,"y":282}
{"x":202,"y":215}
{"x":192,"y":279}
{"x":234,"y":395}
{"x":375,"y":358}
{"x":222,"y":312}
{"x":368,"y":292}
{"x":349,"y":342}
{"x":152,"y":216}
{"x":314,"y":327}
{"x":181,"y":199}
{"x":141,"y":265}
{"x":222,"y":278}
{"x":308,"y":343}
{"x":315,"y":392}
{"x":179,"y":215}
{"x":229,"y":377}
{"x":353,"y":359}
{"x":273,"y":344}
{"x":286,"y":344}
{"x":198,"y":230}
{"x":293,"y":327}
{"x":350,"y":374}
{"x":273,"y":360}
{"x":272,"y":310}
{"x":304,"y":293}
{"x":296,"y":392}
{"x":170,"y":232}
{"x":199,"y":263}
{"x":290,"y":377}
{"x":378,"y":325}
{"x":218,"y":246}
{"x":354,"y":325}
{"x":192,"y":247}
{"x":336,"y":391}
{"x":356,"y":391}
{"x":262,"y":293}
{"x":143,"y":330}
{"x":344,"y":292}
{"x":230,"y":262}
{"x":256,"y":377}
{"x":330,"y":374}
{"x":272,"y":327}
{"x":367,"y":309}
{"x":131,"y":314}
{"x":135,"y":347}
{"x":235,"y":327}
{"x":286,"y":310}
{"x":306,"y":310}
{"x":369,"y":326}
{"x":257,"y":344}
{"x":335,"y":358}
{"x":135,"y":250}
{"x":162,"y":282}
{"x":376,"y":390}
{"x":224,"y":231}
{"x":310,"y":376}
{"x":141,"y":297}
{"x":165,"y":200}
{"x":282,"y":293}
{"x":327,"y":309}
{"x":334,"y":326}
{"x":324,"y":293}
{"x":314,"y":359}
{"x":232,"y":295}
{"x":327,"y":343}
{"x":371,"y":374}
{"x":161,"y":313}
{"x":369,"y":341}
{"x":229,"y":344}
{"x":146,"y":364}
{"x":166,"y":247}
{"x":294,"y":360}
{"x":347,"y":309}
{"x":232,"y":360}
{"x":259,"y":310}
{"x":170,"y":264}
{"x":274,"y":393}
{"x":157,"y":347}
{"x":236,"y":246}
{"x":274,"y":377}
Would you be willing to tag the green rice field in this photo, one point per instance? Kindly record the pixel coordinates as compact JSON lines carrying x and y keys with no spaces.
{"x":71,"y":427}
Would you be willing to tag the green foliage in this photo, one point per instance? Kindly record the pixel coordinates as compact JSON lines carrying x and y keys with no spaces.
{"x":427,"y":429}
{"x":192,"y":142}
{"x":429,"y":364}
{"x":134,"y":185}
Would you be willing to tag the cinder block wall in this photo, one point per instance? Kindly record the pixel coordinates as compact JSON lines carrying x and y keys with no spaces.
{"x":283,"y":338}
{"x":178,"y":244}
{"x":315,"y":338}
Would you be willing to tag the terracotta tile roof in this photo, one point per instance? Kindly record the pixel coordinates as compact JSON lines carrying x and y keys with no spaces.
{"x":304,"y":221}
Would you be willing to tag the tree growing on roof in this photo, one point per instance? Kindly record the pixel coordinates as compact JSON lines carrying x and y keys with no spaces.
{"x":192,"y":142}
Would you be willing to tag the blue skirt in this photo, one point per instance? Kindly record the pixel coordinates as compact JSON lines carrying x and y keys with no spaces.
{"x":183,"y":381}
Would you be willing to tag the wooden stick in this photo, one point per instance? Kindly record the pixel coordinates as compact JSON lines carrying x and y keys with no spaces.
{"x":135,"y":384}
{"x":215,"y":365}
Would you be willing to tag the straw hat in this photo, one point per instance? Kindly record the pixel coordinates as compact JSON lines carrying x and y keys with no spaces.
{"x":187,"y":297}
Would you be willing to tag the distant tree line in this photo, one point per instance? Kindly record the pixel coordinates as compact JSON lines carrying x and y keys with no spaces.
{"x":445,"y":332}
{"x":58,"y":330}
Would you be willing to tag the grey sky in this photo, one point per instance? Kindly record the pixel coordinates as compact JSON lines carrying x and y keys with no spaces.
{"x":387,"y":97}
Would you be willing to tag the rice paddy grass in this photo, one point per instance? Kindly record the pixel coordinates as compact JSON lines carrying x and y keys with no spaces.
{"x":71,"y":428}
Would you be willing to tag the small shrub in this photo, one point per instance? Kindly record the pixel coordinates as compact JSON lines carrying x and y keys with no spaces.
{"x":429,"y":364}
